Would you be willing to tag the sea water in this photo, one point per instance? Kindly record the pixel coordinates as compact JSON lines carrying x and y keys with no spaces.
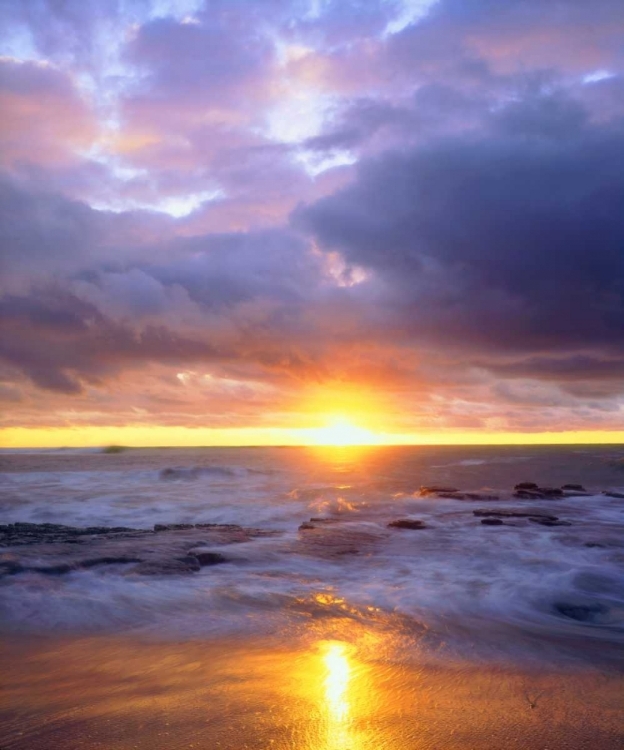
{"x":455,"y":588}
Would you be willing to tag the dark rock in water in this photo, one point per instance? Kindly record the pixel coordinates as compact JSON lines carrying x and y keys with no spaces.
{"x":465,"y":496}
{"x":406,"y":523}
{"x":51,"y":533}
{"x":13,"y":568}
{"x":528,"y":495}
{"x":492,"y":522}
{"x":512,"y":514}
{"x":52,"y":570}
{"x":175,"y":566}
{"x":611,"y":493}
{"x":306,"y":525}
{"x":599,"y":545}
{"x":526,"y":486}
{"x":110,"y":560}
{"x":221,"y":526}
{"x":551,"y":491}
{"x":548,"y":521}
{"x":10,"y":568}
{"x":172,"y":526}
{"x":537,"y":493}
{"x":209,"y":558}
{"x":436,"y":490}
{"x":574,"y":487}
{"x":581,"y":612}
{"x":479,"y":496}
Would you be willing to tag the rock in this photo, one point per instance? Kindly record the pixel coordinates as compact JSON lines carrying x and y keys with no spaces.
{"x":574,"y":487}
{"x":51,"y":533}
{"x":209,"y":558}
{"x":436,"y":490}
{"x":512,"y":514}
{"x":548,"y":521}
{"x":306,"y":525}
{"x":169,"y":474}
{"x":611,"y":493}
{"x":465,"y":496}
{"x":221,"y":526}
{"x":526,"y":486}
{"x":479,"y":496}
{"x":492,"y":522}
{"x":528,"y":495}
{"x":551,"y":491}
{"x":406,"y":523}
{"x":110,"y":560}
{"x":537,"y":493}
{"x":10,"y":568}
{"x":175,"y":566}
{"x":581,"y":612}
{"x":172,"y":526}
{"x":51,"y":570}
{"x":598,"y":545}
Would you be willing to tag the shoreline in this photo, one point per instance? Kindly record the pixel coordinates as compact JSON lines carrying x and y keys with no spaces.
{"x":122,"y":693}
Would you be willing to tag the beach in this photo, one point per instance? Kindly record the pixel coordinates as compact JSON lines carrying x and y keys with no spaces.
{"x":119,"y":694}
{"x":342,"y":599}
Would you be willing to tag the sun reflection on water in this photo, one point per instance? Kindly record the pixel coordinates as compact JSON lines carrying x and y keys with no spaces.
{"x":337,"y":681}
{"x":338,"y":675}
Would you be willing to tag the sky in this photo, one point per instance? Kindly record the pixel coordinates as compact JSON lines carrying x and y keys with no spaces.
{"x":236,"y":222}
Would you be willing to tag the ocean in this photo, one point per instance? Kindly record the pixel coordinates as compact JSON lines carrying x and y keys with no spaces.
{"x":545,"y":585}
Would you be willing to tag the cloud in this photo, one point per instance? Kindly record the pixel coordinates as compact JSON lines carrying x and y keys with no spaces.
{"x":508,"y":242}
{"x":44,"y":118}
{"x":453,"y":179}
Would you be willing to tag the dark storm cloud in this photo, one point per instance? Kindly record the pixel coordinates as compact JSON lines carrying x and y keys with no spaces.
{"x":512,"y":241}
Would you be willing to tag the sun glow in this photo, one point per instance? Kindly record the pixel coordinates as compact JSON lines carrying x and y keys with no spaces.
{"x":342,"y":432}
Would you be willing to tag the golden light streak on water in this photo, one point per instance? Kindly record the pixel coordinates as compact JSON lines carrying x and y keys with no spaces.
{"x":337,"y":684}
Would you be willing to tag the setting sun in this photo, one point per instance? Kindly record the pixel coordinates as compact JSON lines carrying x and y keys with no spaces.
{"x":342,"y":432}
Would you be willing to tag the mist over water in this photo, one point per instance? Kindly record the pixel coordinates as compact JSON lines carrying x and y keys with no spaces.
{"x":456,"y":588}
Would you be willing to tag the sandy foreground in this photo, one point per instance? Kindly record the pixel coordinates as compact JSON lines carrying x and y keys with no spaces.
{"x":322,"y":694}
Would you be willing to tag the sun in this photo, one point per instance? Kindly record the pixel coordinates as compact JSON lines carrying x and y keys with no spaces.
{"x":342,"y":432}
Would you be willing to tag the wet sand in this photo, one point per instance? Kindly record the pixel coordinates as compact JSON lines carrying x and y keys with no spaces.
{"x":105,"y":693}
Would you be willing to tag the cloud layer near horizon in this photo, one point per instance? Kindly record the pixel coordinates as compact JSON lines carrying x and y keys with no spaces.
{"x":213,"y":213}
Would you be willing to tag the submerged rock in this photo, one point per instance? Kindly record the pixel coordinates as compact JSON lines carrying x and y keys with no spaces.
{"x":526,"y":486}
{"x":306,"y":525}
{"x":173,"y":566}
{"x":548,"y":521}
{"x":209,"y":558}
{"x":581,"y":612}
{"x":574,"y":487}
{"x":512,"y":514}
{"x":492,"y":522}
{"x":407,"y":523}
{"x":612,"y":493}
{"x":436,"y":490}
{"x":108,"y":560}
{"x":10,"y":567}
{"x":173,"y":526}
{"x":21,"y":533}
{"x":536,"y":493}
